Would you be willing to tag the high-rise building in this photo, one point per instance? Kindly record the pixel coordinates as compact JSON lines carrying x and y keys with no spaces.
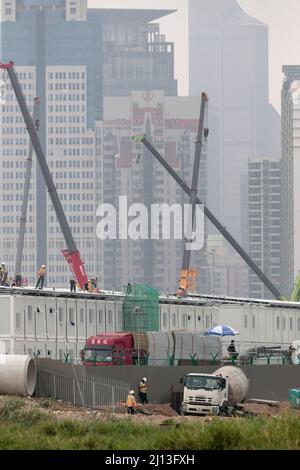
{"x":290,"y":188}
{"x":264,"y":186}
{"x":69,"y":56}
{"x":228,"y":58}
{"x":171,"y":123}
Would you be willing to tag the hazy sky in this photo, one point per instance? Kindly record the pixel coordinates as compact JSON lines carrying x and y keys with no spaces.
{"x":282,"y":17}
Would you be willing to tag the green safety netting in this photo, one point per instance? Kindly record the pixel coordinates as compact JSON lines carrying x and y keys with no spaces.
{"x":141,"y":308}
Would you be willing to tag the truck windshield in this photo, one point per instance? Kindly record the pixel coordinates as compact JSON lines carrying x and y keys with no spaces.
{"x":98,"y":355}
{"x":202,"y":381}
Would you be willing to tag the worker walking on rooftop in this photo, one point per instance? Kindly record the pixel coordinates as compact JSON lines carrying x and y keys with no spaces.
{"x":18,"y":280}
{"x":41,"y":277}
{"x":131,"y":403}
{"x":72,"y":285}
{"x":143,"y":391}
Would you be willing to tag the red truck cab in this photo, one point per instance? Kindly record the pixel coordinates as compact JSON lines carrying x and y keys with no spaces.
{"x":107,"y":349}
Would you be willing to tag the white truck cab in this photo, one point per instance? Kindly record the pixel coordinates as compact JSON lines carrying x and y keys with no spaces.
{"x":204,"y":394}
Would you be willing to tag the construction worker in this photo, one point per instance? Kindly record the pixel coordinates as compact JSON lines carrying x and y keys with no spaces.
{"x":231,"y":347}
{"x":72,"y":285}
{"x":143,"y":391}
{"x":131,"y":403}
{"x":18,"y":280}
{"x":94,"y":282}
{"x":232,"y":352}
{"x":3,"y":274}
{"x":41,"y":276}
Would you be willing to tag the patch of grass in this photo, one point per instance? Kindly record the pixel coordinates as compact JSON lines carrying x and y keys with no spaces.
{"x":32,"y":429}
{"x":46,"y":403}
{"x":10,"y":408}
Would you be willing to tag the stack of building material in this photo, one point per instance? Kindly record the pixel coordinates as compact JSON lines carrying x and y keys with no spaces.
{"x":160,"y":348}
{"x":190,"y":344}
{"x":140,"y":341}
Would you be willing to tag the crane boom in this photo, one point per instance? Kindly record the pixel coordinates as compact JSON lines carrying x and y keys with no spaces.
{"x":195,"y":175}
{"x":72,"y":254}
{"x":188,"y":275}
{"x":26,"y":194}
{"x":264,"y":279}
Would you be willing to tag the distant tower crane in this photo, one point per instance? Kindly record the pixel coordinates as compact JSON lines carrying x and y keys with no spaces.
{"x":71,"y":254}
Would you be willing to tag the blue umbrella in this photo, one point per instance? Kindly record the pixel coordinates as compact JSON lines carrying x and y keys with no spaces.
{"x":221,"y":330}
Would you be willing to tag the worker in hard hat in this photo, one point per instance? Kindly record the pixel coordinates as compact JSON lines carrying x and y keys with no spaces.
{"x":3,"y":274}
{"x":18,"y":280}
{"x":143,"y":391}
{"x":131,"y":403}
{"x":72,"y":285}
{"x":41,"y":277}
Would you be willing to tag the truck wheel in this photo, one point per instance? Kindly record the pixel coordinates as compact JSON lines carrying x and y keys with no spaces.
{"x":182,"y":413}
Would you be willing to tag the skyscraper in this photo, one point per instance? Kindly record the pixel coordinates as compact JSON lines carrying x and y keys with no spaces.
{"x":70,"y":56}
{"x":228,"y":58}
{"x":290,"y":195}
{"x":264,"y":223}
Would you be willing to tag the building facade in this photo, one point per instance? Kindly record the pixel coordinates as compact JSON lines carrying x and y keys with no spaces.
{"x":290,"y":244}
{"x":228,"y":58}
{"x":227,"y":272}
{"x":171,"y":124}
{"x":75,"y":55}
{"x":264,"y":192}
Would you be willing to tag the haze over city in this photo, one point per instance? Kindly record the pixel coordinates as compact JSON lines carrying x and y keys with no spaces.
{"x":281,"y":16}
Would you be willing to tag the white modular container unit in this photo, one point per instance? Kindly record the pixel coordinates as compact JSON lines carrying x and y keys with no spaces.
{"x":61,"y":318}
{"x":174,"y":317}
{"x":91,"y":318}
{"x":51,"y":312}
{"x":81,"y":320}
{"x":165,"y":316}
{"x":72,"y":321}
{"x":101,"y":326}
{"x":119,"y":316}
{"x":110,"y":316}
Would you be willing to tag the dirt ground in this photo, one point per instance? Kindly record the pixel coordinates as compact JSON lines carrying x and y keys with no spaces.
{"x":152,"y":414}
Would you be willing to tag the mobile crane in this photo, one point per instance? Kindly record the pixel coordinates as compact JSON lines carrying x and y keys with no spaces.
{"x":188,"y":275}
{"x":237,"y":247}
{"x":71,"y":254}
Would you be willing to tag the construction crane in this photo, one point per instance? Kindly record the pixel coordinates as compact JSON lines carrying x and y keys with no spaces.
{"x":188,"y":275}
{"x":22,"y":226}
{"x":71,"y":254}
{"x":237,"y":247}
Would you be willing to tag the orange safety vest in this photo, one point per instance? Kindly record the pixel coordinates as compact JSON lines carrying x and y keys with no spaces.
{"x":143,"y":387}
{"x":131,"y":401}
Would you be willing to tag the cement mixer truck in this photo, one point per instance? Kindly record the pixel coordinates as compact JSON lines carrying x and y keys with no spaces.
{"x":214,"y":394}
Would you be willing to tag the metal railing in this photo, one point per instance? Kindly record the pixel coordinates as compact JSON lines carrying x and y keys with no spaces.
{"x":70,"y":383}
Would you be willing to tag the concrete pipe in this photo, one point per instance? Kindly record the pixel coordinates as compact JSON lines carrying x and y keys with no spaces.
{"x":17,"y":375}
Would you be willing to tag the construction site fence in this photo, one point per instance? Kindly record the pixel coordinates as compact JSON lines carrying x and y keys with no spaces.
{"x":194,"y":360}
{"x":70,"y":383}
